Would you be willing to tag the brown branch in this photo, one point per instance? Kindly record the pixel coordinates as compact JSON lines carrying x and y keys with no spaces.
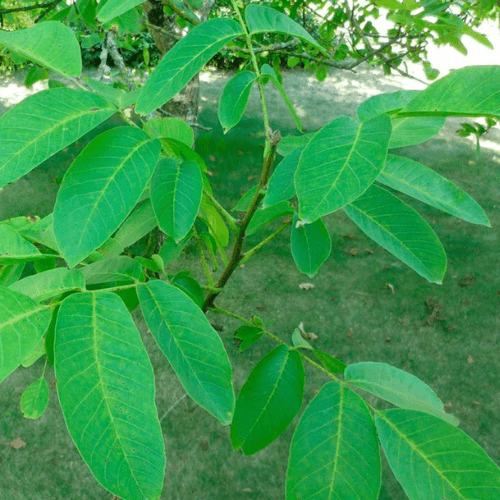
{"x":237,"y":253}
{"x":30,"y":7}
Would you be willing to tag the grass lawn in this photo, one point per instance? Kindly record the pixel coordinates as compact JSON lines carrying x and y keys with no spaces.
{"x":365,"y":306}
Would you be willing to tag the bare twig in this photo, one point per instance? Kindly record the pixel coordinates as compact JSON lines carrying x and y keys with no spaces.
{"x":103,"y":66}
{"x":118,"y":60}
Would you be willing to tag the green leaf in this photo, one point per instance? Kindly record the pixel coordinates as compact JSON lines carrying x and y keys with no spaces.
{"x":333,"y":365}
{"x":234,"y":99}
{"x":181,"y":152}
{"x":48,"y":284}
{"x":433,"y":460}
{"x":405,"y":131}
{"x":35,"y":74}
{"x":311,"y":246}
{"x":101,"y":188}
{"x":184,"y":61}
{"x":171,"y":250}
{"x":246,"y":200}
{"x":216,"y":223}
{"x":290,"y":143}
{"x":50,"y":44}
{"x":339,"y":164}
{"x":192,"y":346}
{"x":267,"y":71}
{"x":422,"y":183}
{"x":299,"y":341}
{"x":43,"y":124}
{"x":262,"y":19}
{"x":10,"y":274}
{"x":190,"y":287}
{"x":399,"y":229}
{"x":35,"y":399}
{"x":281,"y":184}
{"x":172,"y":128}
{"x":334,"y":452}
{"x":471,"y":91}
{"x":268,"y":401}
{"x":247,"y":336}
{"x":176,"y":191}
{"x":116,"y":96}
{"x":264,"y":216}
{"x":115,"y":8}
{"x":22,"y":325}
{"x":139,"y":223}
{"x":106,"y":389}
{"x":398,"y":387}
{"x":14,"y":248}
{"x":122,"y":269}
{"x":34,"y":355}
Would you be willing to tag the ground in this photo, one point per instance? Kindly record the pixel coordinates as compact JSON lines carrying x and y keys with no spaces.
{"x":365,"y":305}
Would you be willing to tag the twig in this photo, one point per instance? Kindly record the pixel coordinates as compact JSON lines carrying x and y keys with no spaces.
{"x":172,"y":407}
{"x":103,"y":66}
{"x":118,"y":60}
{"x":30,"y":7}
{"x":47,"y":10}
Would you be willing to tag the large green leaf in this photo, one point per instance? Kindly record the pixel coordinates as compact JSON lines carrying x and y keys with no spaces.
{"x":339,"y":164}
{"x":268,"y":401}
{"x":122,"y":269}
{"x":172,"y":128}
{"x":10,"y":274}
{"x":311,"y":246}
{"x":14,"y":248}
{"x":43,"y":124}
{"x":262,"y":19}
{"x":35,"y":399}
{"x":106,"y":389}
{"x":334,"y":452}
{"x":290,"y":143}
{"x":434,"y":460}
{"x":405,"y":131}
{"x":422,"y":183}
{"x":234,"y":99}
{"x":264,"y":216}
{"x":139,"y":223}
{"x":471,"y":91}
{"x":398,"y":387}
{"x":22,"y":325}
{"x":50,"y":44}
{"x":399,"y":229}
{"x":43,"y":286}
{"x":281,"y":187}
{"x":176,"y":191}
{"x":101,"y":188}
{"x":115,"y":8}
{"x":192,"y":346}
{"x":184,"y":60}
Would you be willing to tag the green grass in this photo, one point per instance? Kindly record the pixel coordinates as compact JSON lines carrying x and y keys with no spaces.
{"x":352,"y":309}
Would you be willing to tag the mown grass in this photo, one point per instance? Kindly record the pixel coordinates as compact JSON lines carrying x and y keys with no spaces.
{"x":366,"y":306}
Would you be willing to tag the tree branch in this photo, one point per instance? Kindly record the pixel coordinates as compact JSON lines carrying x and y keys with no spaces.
{"x":30,"y":7}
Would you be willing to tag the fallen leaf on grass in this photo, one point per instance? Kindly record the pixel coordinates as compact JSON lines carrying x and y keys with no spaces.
{"x":470,"y":359}
{"x":306,"y":335}
{"x":17,"y":444}
{"x":212,"y":157}
{"x":306,"y":286}
{"x":467,"y":280}
{"x":353,"y":252}
{"x":390,"y":286}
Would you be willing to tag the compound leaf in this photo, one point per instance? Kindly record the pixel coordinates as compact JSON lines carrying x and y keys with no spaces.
{"x":422,"y":183}
{"x":434,"y":460}
{"x":192,"y":346}
{"x":176,"y":191}
{"x":399,"y":229}
{"x":184,"y":60}
{"x":35,"y":399}
{"x":106,"y":389}
{"x":339,"y":164}
{"x":334,"y":452}
{"x":234,"y":99}
{"x":398,"y":387}
{"x":101,"y":188}
{"x":43,"y":124}
{"x":268,"y":401}
{"x":50,"y":44}
{"x":22,"y":325}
